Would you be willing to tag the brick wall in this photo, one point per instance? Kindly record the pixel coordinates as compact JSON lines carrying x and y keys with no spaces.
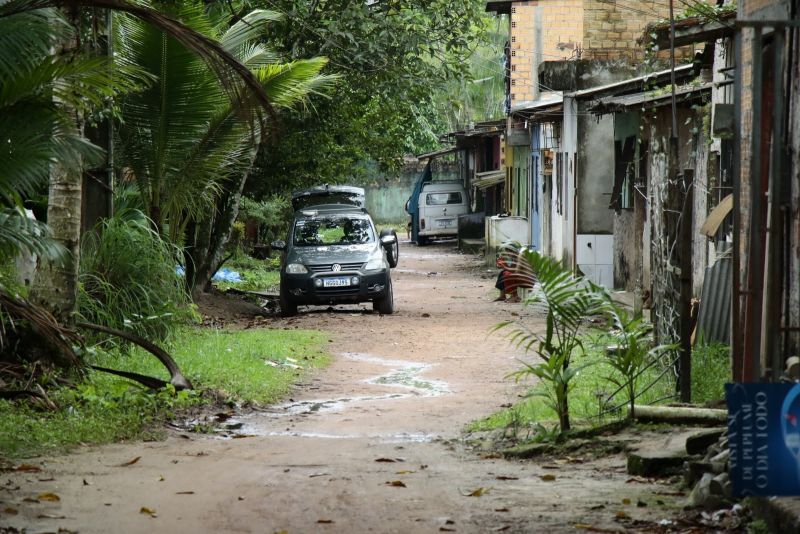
{"x":541,"y":30}
{"x":611,"y":29}
{"x":552,"y":30}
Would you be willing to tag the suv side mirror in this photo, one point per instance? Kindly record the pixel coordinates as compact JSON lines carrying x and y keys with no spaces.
{"x":278,"y":245}
{"x":388,"y":240}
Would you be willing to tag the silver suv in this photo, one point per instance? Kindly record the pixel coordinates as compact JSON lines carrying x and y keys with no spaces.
{"x":333,"y":254}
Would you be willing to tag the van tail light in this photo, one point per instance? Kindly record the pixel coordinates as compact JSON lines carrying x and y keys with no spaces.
{"x":422,"y":224}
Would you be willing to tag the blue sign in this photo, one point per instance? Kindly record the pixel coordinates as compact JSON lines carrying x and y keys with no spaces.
{"x":764,"y":438}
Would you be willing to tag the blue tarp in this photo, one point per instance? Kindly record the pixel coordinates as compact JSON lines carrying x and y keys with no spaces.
{"x":223,"y":275}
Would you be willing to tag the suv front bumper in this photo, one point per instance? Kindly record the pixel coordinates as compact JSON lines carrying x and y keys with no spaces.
{"x":302,"y":289}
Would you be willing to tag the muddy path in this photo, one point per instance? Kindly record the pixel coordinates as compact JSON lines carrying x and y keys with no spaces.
{"x":370,"y":444}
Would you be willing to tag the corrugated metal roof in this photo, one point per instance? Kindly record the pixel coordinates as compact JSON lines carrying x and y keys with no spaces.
{"x":681,"y":71}
{"x":431,"y":155}
{"x":484,"y":180}
{"x":624,"y":103}
{"x":535,"y":105}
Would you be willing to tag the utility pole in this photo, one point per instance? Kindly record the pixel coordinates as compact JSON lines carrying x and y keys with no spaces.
{"x":683,"y":183}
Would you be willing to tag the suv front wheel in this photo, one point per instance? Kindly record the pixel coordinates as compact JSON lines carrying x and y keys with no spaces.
{"x":288,"y":308}
{"x":385,"y":304}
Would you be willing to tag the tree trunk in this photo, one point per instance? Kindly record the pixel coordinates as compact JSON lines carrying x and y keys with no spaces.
{"x":213,"y":233}
{"x":563,"y":417}
{"x":56,"y":284}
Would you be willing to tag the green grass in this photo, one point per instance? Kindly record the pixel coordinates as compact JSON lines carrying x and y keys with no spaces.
{"x":710,"y":372}
{"x":104,"y":408}
{"x":584,"y":404}
{"x":398,"y":225}
{"x":257,"y":275}
{"x":711,"y":369}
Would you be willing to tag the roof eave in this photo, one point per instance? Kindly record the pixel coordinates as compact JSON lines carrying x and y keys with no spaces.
{"x":691,"y":31}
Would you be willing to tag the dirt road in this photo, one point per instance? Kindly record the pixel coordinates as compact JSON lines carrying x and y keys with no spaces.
{"x":370,"y":444}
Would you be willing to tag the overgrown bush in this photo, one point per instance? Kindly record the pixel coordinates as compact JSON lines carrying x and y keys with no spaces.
{"x":632,"y":352}
{"x":273,"y":216}
{"x":129,"y":281}
{"x":711,"y":368}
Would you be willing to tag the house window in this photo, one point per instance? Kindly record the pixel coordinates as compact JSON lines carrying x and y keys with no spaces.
{"x":624,"y":173}
{"x":626,"y":194}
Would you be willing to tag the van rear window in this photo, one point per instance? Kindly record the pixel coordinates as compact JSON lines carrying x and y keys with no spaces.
{"x":440,"y":199}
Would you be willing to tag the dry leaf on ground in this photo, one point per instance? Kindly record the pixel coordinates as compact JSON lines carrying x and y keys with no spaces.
{"x":148,"y":511}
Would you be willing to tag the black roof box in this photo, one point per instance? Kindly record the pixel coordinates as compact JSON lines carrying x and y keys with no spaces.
{"x":329,"y":194}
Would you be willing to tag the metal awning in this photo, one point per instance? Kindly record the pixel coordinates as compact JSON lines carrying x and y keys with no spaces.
{"x":648,"y":99}
{"x":540,"y":109}
{"x":436,"y":154}
{"x":485,"y":180}
{"x":661,"y":77}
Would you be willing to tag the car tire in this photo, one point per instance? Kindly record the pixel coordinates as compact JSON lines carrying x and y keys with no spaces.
{"x":385,"y":304}
{"x":288,"y":308}
{"x":393,"y":254}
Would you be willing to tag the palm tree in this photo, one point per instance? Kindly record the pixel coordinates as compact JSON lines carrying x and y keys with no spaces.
{"x":41,"y":93}
{"x":188,"y":147}
{"x":31,"y":23}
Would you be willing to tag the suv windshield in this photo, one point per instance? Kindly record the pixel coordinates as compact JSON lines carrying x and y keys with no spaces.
{"x":332,"y":230}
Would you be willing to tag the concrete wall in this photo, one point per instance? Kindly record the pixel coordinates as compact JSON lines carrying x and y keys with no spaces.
{"x":595,"y":172}
{"x":627,"y":240}
{"x":564,"y":222}
{"x":386,"y":199}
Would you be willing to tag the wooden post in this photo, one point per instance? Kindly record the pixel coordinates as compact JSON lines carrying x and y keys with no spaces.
{"x":686,"y":287}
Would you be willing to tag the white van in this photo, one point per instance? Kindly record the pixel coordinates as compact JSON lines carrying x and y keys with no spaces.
{"x":440,"y":204}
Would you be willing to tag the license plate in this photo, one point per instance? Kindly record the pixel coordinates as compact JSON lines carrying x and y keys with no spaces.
{"x":445,"y":223}
{"x":335,"y":282}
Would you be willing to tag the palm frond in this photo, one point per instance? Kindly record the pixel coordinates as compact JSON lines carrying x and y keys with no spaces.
{"x":241,"y":86}
{"x":292,"y":83}
{"x":251,"y":27}
{"x":19,"y":234}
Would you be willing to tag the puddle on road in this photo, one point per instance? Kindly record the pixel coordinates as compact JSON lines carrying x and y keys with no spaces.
{"x":401,"y":437}
{"x":403,"y":374}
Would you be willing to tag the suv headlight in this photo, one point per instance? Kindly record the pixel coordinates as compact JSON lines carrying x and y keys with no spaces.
{"x":296,"y":268}
{"x":375,"y":263}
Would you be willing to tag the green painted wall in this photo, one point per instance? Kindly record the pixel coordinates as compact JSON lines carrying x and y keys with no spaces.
{"x":386,"y":199}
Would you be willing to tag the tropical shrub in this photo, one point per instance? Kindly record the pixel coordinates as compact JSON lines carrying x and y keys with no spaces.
{"x":631,"y":351}
{"x":129,"y":279}
{"x":567,"y":301}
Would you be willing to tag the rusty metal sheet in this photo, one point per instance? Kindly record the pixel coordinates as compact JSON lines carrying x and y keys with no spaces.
{"x":714,"y":316}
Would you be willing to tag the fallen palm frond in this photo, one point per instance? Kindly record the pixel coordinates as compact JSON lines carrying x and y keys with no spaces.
{"x":31,"y":341}
{"x":177,"y":379}
{"x":54,"y":340}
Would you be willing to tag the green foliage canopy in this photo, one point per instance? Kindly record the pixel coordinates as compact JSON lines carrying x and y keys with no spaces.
{"x":394,"y":57}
